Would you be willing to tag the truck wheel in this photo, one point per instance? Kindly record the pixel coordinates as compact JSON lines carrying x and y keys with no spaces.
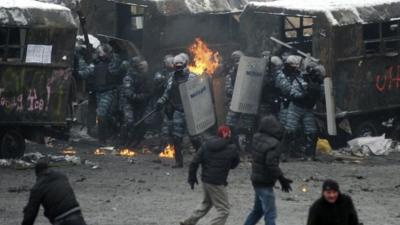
{"x":367,"y":129}
{"x":12,"y":145}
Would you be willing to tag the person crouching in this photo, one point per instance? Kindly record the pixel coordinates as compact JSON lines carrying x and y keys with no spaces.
{"x":54,"y":192}
{"x":217,"y":157}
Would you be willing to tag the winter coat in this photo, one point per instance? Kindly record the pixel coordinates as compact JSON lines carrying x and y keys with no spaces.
{"x":216,"y":157}
{"x":54,"y":192}
{"x":266,"y":153}
{"x":340,"y":213}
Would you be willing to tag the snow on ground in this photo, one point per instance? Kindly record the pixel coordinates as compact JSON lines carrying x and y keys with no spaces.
{"x":149,"y":192}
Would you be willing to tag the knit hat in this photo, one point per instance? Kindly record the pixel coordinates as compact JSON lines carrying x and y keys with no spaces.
{"x":330,"y":185}
{"x":224,"y":131}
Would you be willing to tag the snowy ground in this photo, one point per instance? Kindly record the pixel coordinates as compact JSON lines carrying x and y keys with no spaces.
{"x":149,"y":192}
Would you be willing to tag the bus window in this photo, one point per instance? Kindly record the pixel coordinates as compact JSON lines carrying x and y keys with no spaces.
{"x":12,"y":44}
{"x":381,"y":37}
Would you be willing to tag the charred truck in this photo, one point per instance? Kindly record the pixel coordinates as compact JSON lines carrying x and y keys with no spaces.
{"x":357,"y":42}
{"x":36,"y":85}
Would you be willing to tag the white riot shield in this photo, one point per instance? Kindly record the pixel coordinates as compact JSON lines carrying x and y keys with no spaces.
{"x":248,"y":85}
{"x":197,"y":104}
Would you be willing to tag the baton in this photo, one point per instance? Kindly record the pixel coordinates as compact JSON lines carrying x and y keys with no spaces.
{"x":144,"y":118}
{"x":294,"y":49}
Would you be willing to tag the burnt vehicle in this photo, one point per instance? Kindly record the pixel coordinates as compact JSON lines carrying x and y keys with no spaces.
{"x":36,"y":84}
{"x":358,"y":42}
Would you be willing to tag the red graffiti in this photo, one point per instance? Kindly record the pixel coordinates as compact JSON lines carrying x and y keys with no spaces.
{"x":11,"y":103}
{"x":388,"y":80}
{"x":34,"y":102}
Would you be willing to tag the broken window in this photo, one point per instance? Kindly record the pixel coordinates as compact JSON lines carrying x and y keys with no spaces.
{"x":137,"y":17}
{"x":12,"y":44}
{"x":298,"y":28}
{"x":381,"y":37}
{"x":298,"y":31}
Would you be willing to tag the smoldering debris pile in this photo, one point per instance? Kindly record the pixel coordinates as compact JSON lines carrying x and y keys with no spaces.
{"x":29,"y":160}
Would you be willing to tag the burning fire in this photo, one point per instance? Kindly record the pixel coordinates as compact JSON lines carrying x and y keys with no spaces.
{"x":69,"y":151}
{"x":99,"y":151}
{"x":169,"y":152}
{"x":126,"y":153}
{"x":204,"y":59}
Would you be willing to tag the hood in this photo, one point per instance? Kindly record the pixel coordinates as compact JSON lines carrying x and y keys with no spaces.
{"x":216,"y":143}
{"x":271,"y":126}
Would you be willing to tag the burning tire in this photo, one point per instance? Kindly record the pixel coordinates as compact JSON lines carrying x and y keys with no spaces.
{"x":12,"y":144}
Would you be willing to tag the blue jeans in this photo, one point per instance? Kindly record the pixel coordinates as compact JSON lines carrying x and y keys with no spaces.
{"x":264,"y":205}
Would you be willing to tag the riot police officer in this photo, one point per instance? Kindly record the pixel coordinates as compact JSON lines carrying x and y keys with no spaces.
{"x":171,"y":98}
{"x":132,"y":97}
{"x":270,"y":103}
{"x":106,"y":80}
{"x":233,"y":118}
{"x":305,"y":93}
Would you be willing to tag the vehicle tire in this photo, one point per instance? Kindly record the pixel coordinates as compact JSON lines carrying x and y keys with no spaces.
{"x":367,"y":129}
{"x":12,"y":145}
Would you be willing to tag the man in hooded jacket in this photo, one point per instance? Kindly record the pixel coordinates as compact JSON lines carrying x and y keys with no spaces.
{"x":265,"y":170}
{"x":216,"y":157}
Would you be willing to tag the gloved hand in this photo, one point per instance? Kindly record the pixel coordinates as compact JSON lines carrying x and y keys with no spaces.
{"x":192,"y":182}
{"x":285,"y":184}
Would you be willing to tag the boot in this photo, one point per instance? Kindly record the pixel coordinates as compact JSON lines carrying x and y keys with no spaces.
{"x":311,"y":145}
{"x":178,"y":153}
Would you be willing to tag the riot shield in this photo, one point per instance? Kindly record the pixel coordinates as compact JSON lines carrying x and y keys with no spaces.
{"x":248,"y":85}
{"x":197,"y":104}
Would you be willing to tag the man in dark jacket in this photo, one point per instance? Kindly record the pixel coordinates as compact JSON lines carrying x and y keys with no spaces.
{"x":54,"y":192}
{"x":216,"y":157}
{"x":333,"y":208}
{"x":265,"y":170}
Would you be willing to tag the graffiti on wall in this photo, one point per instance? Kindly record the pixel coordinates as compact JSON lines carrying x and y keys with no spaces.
{"x":389,"y":80}
{"x":33,"y":99}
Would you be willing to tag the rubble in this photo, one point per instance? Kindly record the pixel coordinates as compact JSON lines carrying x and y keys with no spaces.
{"x":365,"y":146}
{"x":29,"y":160}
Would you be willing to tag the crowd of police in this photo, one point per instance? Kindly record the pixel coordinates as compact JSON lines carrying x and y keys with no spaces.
{"x":119,"y":86}
{"x":292,"y":87}
{"x":121,"y":95}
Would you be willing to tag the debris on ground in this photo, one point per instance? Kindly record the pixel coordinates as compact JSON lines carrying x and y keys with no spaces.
{"x":365,"y":146}
{"x":29,"y":161}
{"x":324,"y":146}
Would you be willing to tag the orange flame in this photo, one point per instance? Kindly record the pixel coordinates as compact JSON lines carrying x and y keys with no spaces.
{"x":99,"y":151}
{"x":204,"y":59}
{"x":126,"y":153}
{"x":69,"y":151}
{"x":169,"y":152}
